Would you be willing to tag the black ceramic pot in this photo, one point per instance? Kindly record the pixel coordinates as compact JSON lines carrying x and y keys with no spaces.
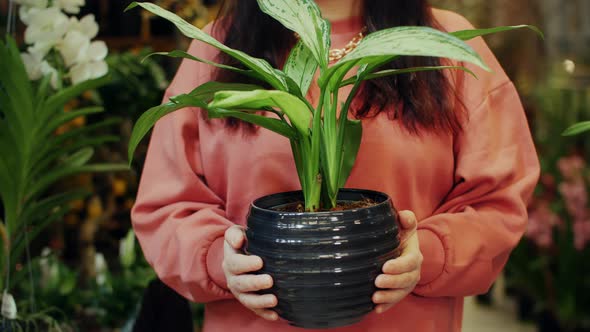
{"x":323,"y":264}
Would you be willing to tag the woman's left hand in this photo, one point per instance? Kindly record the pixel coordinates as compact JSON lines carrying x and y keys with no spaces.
{"x":400,"y":275}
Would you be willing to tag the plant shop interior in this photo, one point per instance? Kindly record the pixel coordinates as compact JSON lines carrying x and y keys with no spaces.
{"x":75,"y":77}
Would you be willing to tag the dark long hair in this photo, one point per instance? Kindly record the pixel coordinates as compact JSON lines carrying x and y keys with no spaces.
{"x":421,"y":101}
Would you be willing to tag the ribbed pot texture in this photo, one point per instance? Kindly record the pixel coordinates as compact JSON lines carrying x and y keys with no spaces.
{"x":323,"y":264}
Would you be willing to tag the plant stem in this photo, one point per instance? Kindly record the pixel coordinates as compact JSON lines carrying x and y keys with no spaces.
{"x":314,"y":174}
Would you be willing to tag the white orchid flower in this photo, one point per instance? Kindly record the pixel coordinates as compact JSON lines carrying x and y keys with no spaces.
{"x":69,"y":6}
{"x":46,"y":25}
{"x":32,"y":3}
{"x":74,"y":48}
{"x":8,"y":306}
{"x":26,"y":13}
{"x":48,"y":70}
{"x":87,"y":25}
{"x":87,"y":71}
{"x":97,"y":51}
{"x":100,"y":267}
{"x":48,"y":29}
{"x":32,"y":65}
{"x":41,"y":48}
{"x":36,"y":68}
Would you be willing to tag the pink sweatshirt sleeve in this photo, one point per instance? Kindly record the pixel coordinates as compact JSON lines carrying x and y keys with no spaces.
{"x":179,"y":221}
{"x":467,"y":240}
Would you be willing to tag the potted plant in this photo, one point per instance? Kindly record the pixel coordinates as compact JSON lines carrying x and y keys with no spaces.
{"x":323,"y":245}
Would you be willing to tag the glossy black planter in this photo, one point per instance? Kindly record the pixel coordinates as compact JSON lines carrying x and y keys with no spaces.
{"x":323,"y":264}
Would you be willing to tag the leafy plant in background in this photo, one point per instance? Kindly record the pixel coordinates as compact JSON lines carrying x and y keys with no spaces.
{"x":111,"y":298}
{"x":324,"y":144}
{"x":114,"y":298}
{"x":548,"y":266}
{"x":577,"y":128}
{"x":557,"y":245}
{"x":136,"y":83}
{"x":62,"y":63}
{"x":54,"y":288}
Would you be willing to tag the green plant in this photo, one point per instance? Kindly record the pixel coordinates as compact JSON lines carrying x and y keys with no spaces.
{"x":115,"y":295}
{"x":135,"y":84}
{"x":34,"y":158}
{"x":548,"y":266}
{"x":324,"y":144}
{"x":577,"y":128}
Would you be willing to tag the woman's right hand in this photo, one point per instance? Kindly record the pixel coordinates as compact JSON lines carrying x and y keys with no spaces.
{"x":243,"y":285}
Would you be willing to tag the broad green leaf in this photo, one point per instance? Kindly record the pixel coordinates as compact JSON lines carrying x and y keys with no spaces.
{"x":279,"y":126}
{"x":298,"y":158}
{"x":208,"y":90}
{"x":304,"y":18}
{"x":275,"y":125}
{"x":296,"y":110}
{"x":262,"y":67}
{"x":294,"y":89}
{"x":339,"y":75}
{"x":185,"y":55}
{"x":350,"y":148}
{"x":578,"y":128}
{"x":203,"y":93}
{"x":413,"y":41}
{"x":13,"y":139}
{"x":390,"y":72}
{"x":301,"y":66}
{"x":409,"y":41}
{"x":16,"y":96}
{"x":145,"y":123}
{"x":7,"y":183}
{"x":15,"y":81}
{"x":472,"y":33}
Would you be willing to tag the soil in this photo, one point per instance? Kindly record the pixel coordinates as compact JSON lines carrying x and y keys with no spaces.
{"x":340,"y":206}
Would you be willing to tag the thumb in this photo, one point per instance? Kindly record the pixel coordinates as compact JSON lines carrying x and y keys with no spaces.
{"x":407,"y":220}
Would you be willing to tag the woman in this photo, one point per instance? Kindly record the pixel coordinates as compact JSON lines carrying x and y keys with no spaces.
{"x":453,"y":152}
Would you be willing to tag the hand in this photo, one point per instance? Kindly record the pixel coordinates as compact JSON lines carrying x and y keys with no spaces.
{"x":400,"y":275}
{"x":241,"y":283}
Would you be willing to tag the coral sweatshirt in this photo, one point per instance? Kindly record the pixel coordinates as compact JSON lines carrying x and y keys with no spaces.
{"x":469,"y":192}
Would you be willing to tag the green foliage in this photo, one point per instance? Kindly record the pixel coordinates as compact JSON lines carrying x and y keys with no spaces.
{"x":136,"y":84}
{"x":324,"y":144}
{"x":108,"y":299}
{"x":556,"y":276}
{"x":578,"y":128}
{"x":116,"y":299}
{"x":33,"y":157}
